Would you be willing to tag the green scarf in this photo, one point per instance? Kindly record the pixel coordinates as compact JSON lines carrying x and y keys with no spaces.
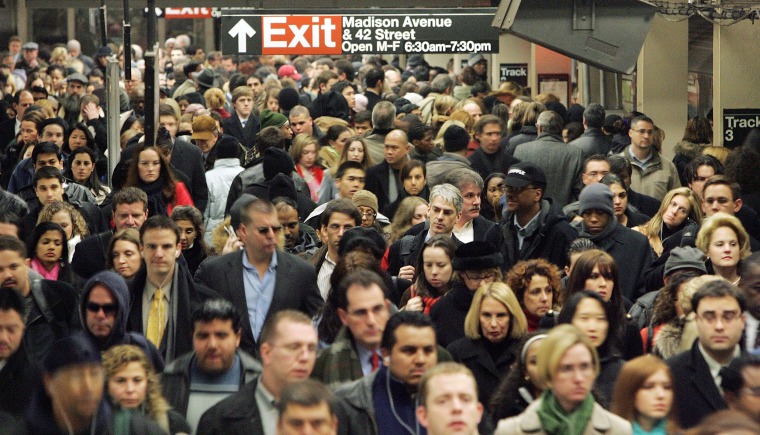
{"x":554,"y":419}
{"x":121,"y":421}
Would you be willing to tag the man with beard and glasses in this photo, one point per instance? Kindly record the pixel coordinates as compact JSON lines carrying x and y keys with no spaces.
{"x":215,"y":369}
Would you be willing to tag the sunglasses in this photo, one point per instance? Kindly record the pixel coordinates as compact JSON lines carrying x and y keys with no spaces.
{"x":107,"y":308}
{"x":265,"y":230}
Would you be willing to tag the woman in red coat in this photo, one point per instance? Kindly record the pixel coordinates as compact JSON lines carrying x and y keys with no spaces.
{"x":150,"y":172}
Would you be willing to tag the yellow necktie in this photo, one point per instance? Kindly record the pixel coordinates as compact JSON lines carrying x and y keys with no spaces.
{"x":156,"y":318}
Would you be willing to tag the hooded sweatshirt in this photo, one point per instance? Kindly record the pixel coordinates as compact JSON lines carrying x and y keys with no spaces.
{"x":120,"y":293}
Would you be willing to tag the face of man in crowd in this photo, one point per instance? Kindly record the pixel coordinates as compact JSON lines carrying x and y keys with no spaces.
{"x":290,"y":355}
{"x":76,"y":390}
{"x":352,"y":181}
{"x":49,"y":190}
{"x":471,"y":204}
{"x":75,"y":88}
{"x":443,"y":216}
{"x":595,"y":171}
{"x":720,"y":323}
{"x":130,"y":215}
{"x":301,"y":124}
{"x":595,"y":220}
{"x":314,"y":420}
{"x":288,"y":217}
{"x":214,"y":345}
{"x":336,"y":226}
{"x":451,"y":405}
{"x":365,"y":315}
{"x":704,"y":173}
{"x":260,"y":236}
{"x":718,"y":197}
{"x":169,"y":123}
{"x":490,"y":137}
{"x":474,"y":111}
{"x":642,"y":134}
{"x":160,"y":251}
{"x":412,"y":355}
{"x":13,"y":271}
{"x":244,"y":106}
{"x":11,"y":332}
{"x":100,"y":312}
{"x":396,"y":149}
{"x":25,"y":100}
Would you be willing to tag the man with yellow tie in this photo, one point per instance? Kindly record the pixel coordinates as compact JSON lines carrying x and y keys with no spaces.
{"x":163,"y":292}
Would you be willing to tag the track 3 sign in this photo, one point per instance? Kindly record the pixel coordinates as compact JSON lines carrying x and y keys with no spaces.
{"x":379,"y":31}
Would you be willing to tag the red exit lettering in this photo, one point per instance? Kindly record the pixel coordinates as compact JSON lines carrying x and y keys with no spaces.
{"x":301,"y":34}
{"x":187,"y":13}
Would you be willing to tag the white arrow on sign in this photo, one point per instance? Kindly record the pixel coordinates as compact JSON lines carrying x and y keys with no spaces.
{"x":242,"y":31}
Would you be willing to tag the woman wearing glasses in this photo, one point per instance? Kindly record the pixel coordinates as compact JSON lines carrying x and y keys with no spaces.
{"x":475,"y":264}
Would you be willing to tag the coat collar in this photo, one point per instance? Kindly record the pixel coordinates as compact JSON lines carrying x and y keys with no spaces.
{"x":530,"y":423}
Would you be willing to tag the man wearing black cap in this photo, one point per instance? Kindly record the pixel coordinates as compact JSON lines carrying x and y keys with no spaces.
{"x":533,"y":225}
{"x":455,"y":140}
{"x":490,"y":155}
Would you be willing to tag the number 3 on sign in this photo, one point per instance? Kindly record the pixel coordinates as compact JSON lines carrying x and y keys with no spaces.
{"x":363,"y":34}
{"x":729,"y":135}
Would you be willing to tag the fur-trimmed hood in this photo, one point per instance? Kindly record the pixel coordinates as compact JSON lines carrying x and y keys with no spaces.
{"x":689,"y":149}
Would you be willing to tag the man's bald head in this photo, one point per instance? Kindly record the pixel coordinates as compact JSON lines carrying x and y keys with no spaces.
{"x":396,"y":148}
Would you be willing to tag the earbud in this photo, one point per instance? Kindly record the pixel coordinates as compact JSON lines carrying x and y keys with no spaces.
{"x":386,"y":360}
{"x":177,"y":254}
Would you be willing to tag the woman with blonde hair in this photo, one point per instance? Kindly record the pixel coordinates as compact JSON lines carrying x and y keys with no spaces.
{"x":133,"y":386}
{"x":443,"y":105}
{"x":304,"y":153}
{"x":644,"y":396}
{"x":215,"y":100}
{"x":493,"y":327}
{"x":568,"y":366}
{"x":679,"y":212}
{"x":725,"y":242}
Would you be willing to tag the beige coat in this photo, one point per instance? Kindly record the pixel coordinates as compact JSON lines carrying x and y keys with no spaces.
{"x":601,"y":422}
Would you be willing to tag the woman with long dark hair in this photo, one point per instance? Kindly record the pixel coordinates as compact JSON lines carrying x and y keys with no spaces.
{"x":434,"y":277}
{"x":49,"y":253}
{"x":150,"y":172}
{"x":190,"y":222}
{"x":413,"y":176}
{"x":83,"y":163}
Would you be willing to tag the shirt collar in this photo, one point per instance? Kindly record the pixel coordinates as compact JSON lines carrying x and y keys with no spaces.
{"x":264,"y":394}
{"x":712,"y":364}
{"x":644,"y":161}
{"x":272,"y":263}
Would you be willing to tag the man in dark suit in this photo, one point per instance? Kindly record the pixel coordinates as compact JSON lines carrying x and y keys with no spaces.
{"x":243,"y":124}
{"x":593,"y":140}
{"x":288,"y":352}
{"x":163,"y":292}
{"x":260,"y":278}
{"x":720,"y":309}
{"x":383,"y":179}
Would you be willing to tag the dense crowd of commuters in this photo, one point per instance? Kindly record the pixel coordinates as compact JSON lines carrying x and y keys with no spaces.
{"x":351,"y":246}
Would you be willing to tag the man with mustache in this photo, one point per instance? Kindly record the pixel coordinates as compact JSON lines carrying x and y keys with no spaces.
{"x":471,"y":225}
{"x":51,"y":305}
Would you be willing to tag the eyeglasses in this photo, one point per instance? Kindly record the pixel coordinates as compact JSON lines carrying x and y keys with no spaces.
{"x":265,"y":230}
{"x":108,"y":309}
{"x":368,"y":214}
{"x":480,"y":275}
{"x":712,"y":317}
{"x":644,"y":132}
